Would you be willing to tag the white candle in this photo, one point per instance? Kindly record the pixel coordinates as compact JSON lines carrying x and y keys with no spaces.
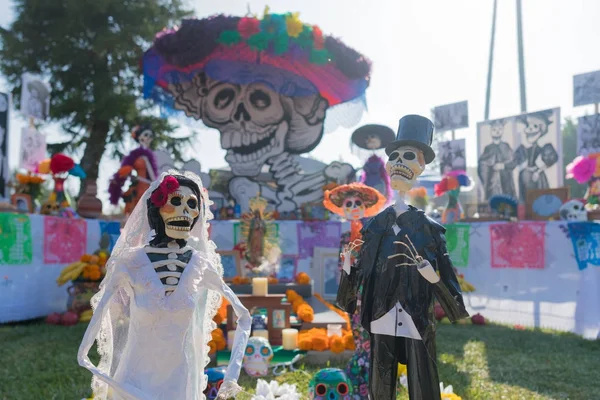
{"x":261,"y":333}
{"x":260,"y":287}
{"x":290,"y":339}
{"x":230,"y":336}
{"x":334,"y":329}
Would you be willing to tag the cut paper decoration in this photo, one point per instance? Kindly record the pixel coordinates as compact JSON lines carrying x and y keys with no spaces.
{"x":586,"y":88}
{"x":457,"y":243}
{"x":4,"y":169}
{"x":518,"y":245}
{"x":113,"y":229}
{"x":317,"y":234}
{"x":267,"y":90}
{"x":65,"y":240}
{"x":588,"y":135}
{"x":451,"y":116}
{"x":33,"y":148}
{"x":585,"y":237}
{"x":35,"y":97}
{"x":15,"y":239}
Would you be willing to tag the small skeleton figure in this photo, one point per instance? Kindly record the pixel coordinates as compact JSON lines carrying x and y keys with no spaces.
{"x":402,"y":265}
{"x":153,"y":315}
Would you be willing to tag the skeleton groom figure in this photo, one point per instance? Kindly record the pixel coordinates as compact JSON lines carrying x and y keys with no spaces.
{"x":402,"y":266}
{"x":153,"y":315}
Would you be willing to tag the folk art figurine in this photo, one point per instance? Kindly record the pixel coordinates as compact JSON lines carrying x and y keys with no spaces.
{"x":355,"y":201}
{"x":153,"y":315}
{"x":402,"y":266}
{"x":451,"y":184}
{"x":330,"y":384}
{"x":140,"y":160}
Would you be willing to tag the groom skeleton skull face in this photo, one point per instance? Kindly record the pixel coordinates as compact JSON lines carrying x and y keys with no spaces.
{"x":404,"y":166}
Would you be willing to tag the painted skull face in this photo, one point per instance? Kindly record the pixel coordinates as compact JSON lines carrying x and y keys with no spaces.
{"x":50,"y":208}
{"x":404,"y":166}
{"x":179,"y":213}
{"x":330,"y":384}
{"x":573,"y":210}
{"x":258,"y":356}
{"x":354,"y":208}
{"x":534,"y":129}
{"x":215,"y":380}
{"x":373,"y":142}
{"x":145,"y":138}
{"x":497,"y":130}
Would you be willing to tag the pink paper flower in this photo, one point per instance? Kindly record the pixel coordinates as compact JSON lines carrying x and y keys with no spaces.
{"x":581,"y":169}
{"x":159,"y":197}
{"x":248,"y":27}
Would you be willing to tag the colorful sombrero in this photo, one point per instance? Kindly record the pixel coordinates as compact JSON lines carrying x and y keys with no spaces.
{"x":373,"y":200}
{"x":293,"y":58}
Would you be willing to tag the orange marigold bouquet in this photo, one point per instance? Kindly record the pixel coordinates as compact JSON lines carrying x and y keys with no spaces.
{"x":302,"y":278}
{"x":89,"y":268}
{"x":302,"y":309}
{"x":218,"y":341}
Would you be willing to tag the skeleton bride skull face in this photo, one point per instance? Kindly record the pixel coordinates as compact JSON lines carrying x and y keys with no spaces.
{"x":175,"y":219}
{"x":354,"y":208}
{"x":404,"y":166}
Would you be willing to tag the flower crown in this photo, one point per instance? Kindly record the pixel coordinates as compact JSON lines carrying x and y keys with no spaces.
{"x":278,"y":31}
{"x":160,"y":196}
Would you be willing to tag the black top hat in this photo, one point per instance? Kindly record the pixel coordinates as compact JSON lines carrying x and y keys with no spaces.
{"x":361,"y":135}
{"x":415,"y":131}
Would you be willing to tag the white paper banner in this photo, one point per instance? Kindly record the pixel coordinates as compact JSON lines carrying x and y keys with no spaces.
{"x":33,"y":148}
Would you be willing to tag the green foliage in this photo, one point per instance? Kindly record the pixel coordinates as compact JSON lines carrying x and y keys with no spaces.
{"x":90,"y":53}
{"x":569,"y":148}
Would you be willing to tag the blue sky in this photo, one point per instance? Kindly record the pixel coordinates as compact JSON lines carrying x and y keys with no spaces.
{"x":427,"y":53}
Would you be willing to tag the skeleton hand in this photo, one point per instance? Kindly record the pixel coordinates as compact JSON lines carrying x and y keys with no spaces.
{"x":346,"y":256}
{"x":228,"y":390}
{"x":427,"y":272}
{"x":423,"y":266}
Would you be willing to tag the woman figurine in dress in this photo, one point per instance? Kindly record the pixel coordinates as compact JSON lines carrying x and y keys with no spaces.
{"x":354,"y":202}
{"x":141,"y":160}
{"x":153,"y":315}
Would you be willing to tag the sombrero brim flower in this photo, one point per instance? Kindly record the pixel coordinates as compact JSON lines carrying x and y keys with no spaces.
{"x":297,"y":57}
{"x":372,"y":198}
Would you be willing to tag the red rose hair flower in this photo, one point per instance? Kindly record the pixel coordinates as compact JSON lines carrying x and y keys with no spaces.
{"x":248,"y":26}
{"x":161,"y":194}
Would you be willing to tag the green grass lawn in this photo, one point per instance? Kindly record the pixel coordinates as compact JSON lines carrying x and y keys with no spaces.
{"x":38,"y":362}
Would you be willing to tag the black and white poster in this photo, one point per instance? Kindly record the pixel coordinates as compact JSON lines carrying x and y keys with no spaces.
{"x":588,"y":135}
{"x":520,"y":153}
{"x":586,"y":89}
{"x":4,"y":172}
{"x":451,"y":116}
{"x":33,"y":148}
{"x":452,"y":156}
{"x":35,"y":97}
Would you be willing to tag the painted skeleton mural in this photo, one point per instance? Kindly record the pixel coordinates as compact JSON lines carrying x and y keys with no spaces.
{"x":260,"y":126}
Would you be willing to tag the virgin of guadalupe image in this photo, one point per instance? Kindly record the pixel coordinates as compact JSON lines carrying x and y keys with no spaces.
{"x":496,"y":164}
{"x":534,"y":158}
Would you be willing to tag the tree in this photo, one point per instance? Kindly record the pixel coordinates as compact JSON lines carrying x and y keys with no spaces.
{"x":569,"y":147}
{"x":90,"y":53}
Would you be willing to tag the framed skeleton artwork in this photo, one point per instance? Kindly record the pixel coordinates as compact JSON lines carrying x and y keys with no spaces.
{"x":231,"y":264}
{"x":327,"y":271}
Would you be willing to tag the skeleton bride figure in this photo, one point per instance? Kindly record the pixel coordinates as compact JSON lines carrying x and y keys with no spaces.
{"x":153,"y":315}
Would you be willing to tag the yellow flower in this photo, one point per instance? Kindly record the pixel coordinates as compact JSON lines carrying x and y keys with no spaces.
{"x":401,"y":369}
{"x":267,"y":9}
{"x":294,"y":25}
{"x":450,"y":396}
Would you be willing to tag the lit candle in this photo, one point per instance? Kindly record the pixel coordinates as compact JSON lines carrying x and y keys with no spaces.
{"x":290,"y":339}
{"x":334,"y":329}
{"x":261,"y":333}
{"x":260,"y":287}
{"x":230,"y":336}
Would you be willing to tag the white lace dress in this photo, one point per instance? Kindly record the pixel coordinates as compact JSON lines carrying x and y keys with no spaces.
{"x":159,"y":346}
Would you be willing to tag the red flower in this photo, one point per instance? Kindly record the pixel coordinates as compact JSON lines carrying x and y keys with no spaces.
{"x":159,"y":197}
{"x":248,"y":27}
{"x":441,"y":188}
{"x":60,"y":163}
{"x":318,"y":38}
{"x":170,"y":184}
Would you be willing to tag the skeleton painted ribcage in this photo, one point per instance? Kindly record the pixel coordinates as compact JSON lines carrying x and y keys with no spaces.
{"x":169,"y":264}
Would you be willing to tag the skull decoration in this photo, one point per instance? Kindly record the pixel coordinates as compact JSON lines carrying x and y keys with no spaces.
{"x":330,"y":384}
{"x":255,"y":120}
{"x":536,"y":126}
{"x":573,"y":210}
{"x":179,"y":212}
{"x":50,"y":208}
{"x":404,"y":166}
{"x":258,"y":356}
{"x":215,"y":380}
{"x":354,"y":208}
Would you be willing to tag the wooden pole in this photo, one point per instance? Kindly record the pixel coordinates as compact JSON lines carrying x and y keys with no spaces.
{"x":490,"y":63}
{"x":521,"y":58}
